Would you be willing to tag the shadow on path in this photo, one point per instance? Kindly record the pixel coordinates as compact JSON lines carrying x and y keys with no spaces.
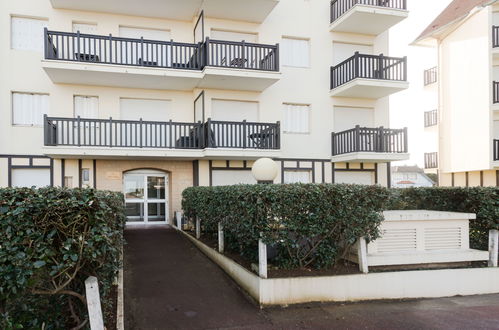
{"x":170,"y":284}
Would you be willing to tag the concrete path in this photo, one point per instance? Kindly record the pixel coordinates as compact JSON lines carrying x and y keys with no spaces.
{"x":169,"y":284}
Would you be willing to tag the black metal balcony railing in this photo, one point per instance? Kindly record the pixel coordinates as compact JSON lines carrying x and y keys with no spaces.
{"x":369,"y":67}
{"x":339,"y":7}
{"x":78,"y":47}
{"x":431,"y":160}
{"x":363,"y":139}
{"x":495,"y":91}
{"x":430,"y":76}
{"x":495,"y":36}
{"x":82,"y":132}
{"x":430,"y":118}
{"x":496,"y":150}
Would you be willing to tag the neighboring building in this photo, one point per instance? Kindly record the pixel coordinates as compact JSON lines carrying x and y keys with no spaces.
{"x":466,"y":35}
{"x":152,"y":97}
{"x":410,"y":176}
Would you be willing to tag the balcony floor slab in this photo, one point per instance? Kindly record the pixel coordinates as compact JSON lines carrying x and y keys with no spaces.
{"x":369,"y":88}
{"x":99,"y":74}
{"x":370,"y":20}
{"x":70,"y":152}
{"x":372,"y":157}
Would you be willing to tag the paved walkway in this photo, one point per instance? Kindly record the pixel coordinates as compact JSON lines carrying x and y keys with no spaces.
{"x":169,"y":284}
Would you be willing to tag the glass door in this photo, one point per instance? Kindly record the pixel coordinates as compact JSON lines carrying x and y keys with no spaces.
{"x":146,"y":197}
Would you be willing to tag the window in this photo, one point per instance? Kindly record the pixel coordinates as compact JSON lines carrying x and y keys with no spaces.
{"x":295,"y":52}
{"x":68,"y":181}
{"x":85,"y":175}
{"x":148,"y":110}
{"x":231,"y":177}
{"x":233,"y":36}
{"x":349,"y":177}
{"x":85,"y":28}
{"x":342,"y":51}
{"x":297,"y":176}
{"x":86,"y":106}
{"x":27,"y":33}
{"x":226,"y":110}
{"x":28,"y":108}
{"x":296,"y":118}
{"x":346,"y":118}
{"x":29,"y":177}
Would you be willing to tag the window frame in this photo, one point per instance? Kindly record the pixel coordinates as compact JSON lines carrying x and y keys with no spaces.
{"x":12,"y":108}
{"x":308,"y":40}
{"x":284,"y":122}
{"x":11,"y":44}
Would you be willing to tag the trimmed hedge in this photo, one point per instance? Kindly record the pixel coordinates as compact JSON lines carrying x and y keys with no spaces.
{"x":310,"y":225}
{"x":484,"y":201}
{"x":51,"y":240}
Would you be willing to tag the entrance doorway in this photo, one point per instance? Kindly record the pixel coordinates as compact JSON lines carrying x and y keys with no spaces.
{"x":146,"y":197}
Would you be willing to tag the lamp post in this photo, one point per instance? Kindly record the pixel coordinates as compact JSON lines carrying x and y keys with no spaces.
{"x":264,"y":170}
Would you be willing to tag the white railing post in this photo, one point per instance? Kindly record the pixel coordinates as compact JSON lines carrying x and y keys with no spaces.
{"x":262,"y":259}
{"x":362,"y":255}
{"x":221,"y":246}
{"x":493,"y":247}
{"x":93,"y":303}
{"x":198,"y":228}
{"x":178,"y":216}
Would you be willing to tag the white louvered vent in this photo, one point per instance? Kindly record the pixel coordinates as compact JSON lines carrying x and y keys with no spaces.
{"x":395,"y":240}
{"x":442,"y":238}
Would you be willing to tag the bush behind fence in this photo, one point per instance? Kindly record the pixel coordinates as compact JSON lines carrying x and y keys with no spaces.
{"x":311,"y":225}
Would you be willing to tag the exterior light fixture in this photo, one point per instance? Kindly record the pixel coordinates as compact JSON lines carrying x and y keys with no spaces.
{"x":264,"y":170}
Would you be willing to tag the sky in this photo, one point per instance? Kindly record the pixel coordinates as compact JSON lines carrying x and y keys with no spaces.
{"x":407,"y":107}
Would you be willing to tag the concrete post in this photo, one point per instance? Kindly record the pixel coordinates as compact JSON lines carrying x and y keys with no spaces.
{"x":493,"y":247}
{"x":178,"y":216}
{"x":220,"y":238}
{"x":262,"y":259}
{"x":93,"y":303}
{"x":362,"y":255}
{"x":198,"y":228}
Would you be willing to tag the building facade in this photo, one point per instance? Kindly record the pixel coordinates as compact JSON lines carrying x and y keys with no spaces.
{"x":465,"y":35}
{"x":149,"y":98}
{"x":410,"y":176}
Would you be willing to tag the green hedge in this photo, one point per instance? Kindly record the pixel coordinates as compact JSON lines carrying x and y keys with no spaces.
{"x":51,"y":240}
{"x":310,"y":225}
{"x":484,"y":201}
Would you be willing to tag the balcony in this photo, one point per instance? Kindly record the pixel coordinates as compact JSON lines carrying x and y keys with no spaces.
{"x":495,"y":94}
{"x":366,"y":16}
{"x":430,"y":76}
{"x":369,"y":76}
{"x":363,"y":144}
{"x":87,"y":59}
{"x":430,"y":118}
{"x":255,"y":11}
{"x":496,"y":150}
{"x":495,"y":41}
{"x":79,"y":137}
{"x":431,"y":160}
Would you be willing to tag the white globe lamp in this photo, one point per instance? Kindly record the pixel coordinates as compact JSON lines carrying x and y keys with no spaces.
{"x":264,"y":170}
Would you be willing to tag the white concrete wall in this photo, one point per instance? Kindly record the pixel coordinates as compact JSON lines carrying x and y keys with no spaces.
{"x":465,"y":96}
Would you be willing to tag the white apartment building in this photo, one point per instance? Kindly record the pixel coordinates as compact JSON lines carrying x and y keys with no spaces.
{"x":150,"y":97}
{"x":466,"y":35}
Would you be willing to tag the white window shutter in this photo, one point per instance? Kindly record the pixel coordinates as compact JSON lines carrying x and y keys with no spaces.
{"x":297,"y":176}
{"x":86,"y":107}
{"x":28,"y":109}
{"x":295,"y":52}
{"x":296,"y":118}
{"x":27,"y":33}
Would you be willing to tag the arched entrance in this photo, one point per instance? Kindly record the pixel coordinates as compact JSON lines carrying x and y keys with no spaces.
{"x":146,"y":196}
